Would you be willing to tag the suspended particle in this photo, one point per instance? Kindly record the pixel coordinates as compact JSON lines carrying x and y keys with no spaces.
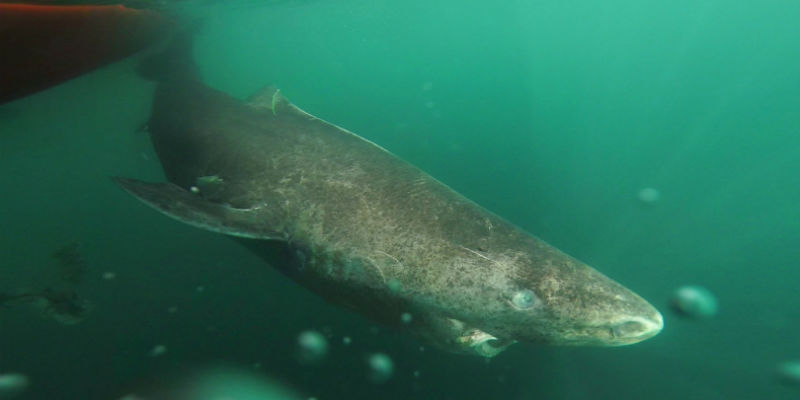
{"x":312,"y":346}
{"x":694,"y":301}
{"x":649,"y":195}
{"x":12,"y":384}
{"x":406,"y":318}
{"x":395,"y":286}
{"x":381,"y":368}
{"x":789,"y":373}
{"x":157,"y":350}
{"x":347,"y":340}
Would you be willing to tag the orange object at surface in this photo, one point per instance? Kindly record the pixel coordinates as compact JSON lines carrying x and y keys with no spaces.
{"x":44,"y":45}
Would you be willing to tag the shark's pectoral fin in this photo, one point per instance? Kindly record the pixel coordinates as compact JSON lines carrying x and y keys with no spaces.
{"x":194,"y":210}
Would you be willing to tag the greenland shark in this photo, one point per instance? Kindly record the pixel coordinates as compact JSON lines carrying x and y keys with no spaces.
{"x":366,"y":230}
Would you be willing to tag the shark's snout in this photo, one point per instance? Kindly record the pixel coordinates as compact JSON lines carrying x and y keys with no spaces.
{"x":636,"y":329}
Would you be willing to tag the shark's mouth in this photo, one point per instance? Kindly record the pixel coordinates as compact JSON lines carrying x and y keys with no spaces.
{"x":482,"y":343}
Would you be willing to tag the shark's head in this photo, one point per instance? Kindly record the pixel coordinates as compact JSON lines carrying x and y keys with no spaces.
{"x":552,"y":300}
{"x":570,"y":303}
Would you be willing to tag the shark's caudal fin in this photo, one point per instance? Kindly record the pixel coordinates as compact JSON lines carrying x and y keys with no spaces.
{"x":175,"y":61}
{"x":193,"y":209}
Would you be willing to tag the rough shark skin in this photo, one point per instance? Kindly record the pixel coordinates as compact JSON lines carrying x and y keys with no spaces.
{"x":364,"y":229}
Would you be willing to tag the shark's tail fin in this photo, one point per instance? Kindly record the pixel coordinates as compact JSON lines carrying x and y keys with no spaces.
{"x":175,"y":61}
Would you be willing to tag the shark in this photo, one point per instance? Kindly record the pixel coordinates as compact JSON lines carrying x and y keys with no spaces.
{"x":366,"y":230}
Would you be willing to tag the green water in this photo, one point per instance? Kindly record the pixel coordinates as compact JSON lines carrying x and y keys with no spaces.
{"x":553,"y":114}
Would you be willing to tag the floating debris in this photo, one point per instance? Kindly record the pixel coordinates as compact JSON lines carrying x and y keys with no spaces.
{"x":71,"y":264}
{"x":63,"y":306}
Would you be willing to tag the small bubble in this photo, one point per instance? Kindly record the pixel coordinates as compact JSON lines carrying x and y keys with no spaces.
{"x":194,"y":189}
{"x":157,"y":350}
{"x":312,"y":346}
{"x":381,"y":367}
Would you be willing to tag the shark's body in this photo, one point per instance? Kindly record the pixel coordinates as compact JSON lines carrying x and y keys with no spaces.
{"x":366,"y":230}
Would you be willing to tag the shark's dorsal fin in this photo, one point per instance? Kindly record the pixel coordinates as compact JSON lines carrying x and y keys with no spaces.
{"x":194,"y":210}
{"x":273,"y":101}
{"x":269,"y":98}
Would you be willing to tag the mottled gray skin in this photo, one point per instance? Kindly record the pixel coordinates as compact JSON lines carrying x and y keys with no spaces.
{"x":366,"y":230}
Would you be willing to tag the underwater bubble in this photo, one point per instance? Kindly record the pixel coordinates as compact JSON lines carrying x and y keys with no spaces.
{"x":406,"y":317}
{"x":395,"y":286}
{"x":649,"y":195}
{"x":789,"y":373}
{"x":380,"y":366}
{"x":523,"y":299}
{"x":194,"y":189}
{"x":157,"y":350}
{"x":12,"y":384}
{"x":694,"y":301}
{"x":312,"y":345}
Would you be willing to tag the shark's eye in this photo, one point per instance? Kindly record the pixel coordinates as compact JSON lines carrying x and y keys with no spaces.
{"x":523,"y":299}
